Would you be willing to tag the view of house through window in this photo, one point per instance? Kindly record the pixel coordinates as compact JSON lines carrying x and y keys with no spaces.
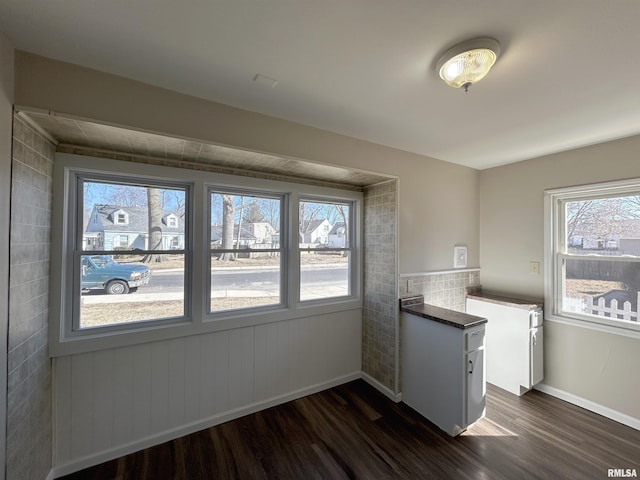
{"x":130,"y":254}
{"x":599,"y":256}
{"x":245,"y":250}
{"x":325,"y":249}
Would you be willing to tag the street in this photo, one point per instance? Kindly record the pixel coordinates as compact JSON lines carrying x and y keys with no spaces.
{"x":224,"y":279}
{"x":231,"y":282}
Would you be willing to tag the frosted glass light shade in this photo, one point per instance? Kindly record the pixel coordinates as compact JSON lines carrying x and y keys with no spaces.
{"x":468,"y":62}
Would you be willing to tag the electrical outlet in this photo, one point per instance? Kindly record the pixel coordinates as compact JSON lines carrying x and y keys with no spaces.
{"x":534,"y":268}
{"x":409,"y":285}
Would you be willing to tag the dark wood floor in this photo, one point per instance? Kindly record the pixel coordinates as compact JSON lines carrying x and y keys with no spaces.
{"x":352,"y":431}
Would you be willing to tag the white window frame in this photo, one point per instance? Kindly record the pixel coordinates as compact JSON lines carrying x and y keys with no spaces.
{"x":71,"y":253}
{"x":121,"y":221}
{"x":556,"y":251}
{"x":283,"y":253}
{"x":63,"y":340}
{"x":352,"y":279}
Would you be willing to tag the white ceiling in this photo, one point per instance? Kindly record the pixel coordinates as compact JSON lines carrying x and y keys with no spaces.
{"x":568,"y":75}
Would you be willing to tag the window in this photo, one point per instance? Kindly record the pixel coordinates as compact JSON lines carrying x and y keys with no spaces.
{"x":246,"y":252}
{"x":121,"y":241}
{"x":114,"y":285}
{"x":121,"y":218}
{"x":199,"y":252}
{"x":594,"y":254}
{"x":325,"y":250}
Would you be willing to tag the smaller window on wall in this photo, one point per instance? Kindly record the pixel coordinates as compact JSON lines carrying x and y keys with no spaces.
{"x":593,"y":254}
{"x":245,"y":250}
{"x":326,"y":250}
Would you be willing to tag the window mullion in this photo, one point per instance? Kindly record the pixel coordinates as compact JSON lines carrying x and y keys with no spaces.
{"x":293,"y":270}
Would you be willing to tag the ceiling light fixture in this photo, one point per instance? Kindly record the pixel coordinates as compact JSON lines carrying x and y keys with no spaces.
{"x":468,"y":62}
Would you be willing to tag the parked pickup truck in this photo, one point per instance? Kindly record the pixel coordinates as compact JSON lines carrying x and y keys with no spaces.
{"x":104,"y":273}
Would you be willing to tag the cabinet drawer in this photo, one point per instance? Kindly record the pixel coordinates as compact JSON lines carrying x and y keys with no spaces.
{"x":474,"y":340}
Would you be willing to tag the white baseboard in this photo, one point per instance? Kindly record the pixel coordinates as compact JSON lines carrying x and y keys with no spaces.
{"x":620,"y":417}
{"x":50,"y":476}
{"x":396,"y":397}
{"x":146,"y":442}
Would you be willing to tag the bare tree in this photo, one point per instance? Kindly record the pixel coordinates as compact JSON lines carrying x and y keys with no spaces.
{"x":253,"y":213}
{"x":155,"y":225}
{"x":129,"y":195}
{"x":605,"y":218}
{"x":308,"y":212}
{"x":342,"y":213}
{"x":228,"y":220}
{"x":634,"y":205}
{"x":241,"y":208}
{"x":579,"y":215}
{"x":270,"y":210}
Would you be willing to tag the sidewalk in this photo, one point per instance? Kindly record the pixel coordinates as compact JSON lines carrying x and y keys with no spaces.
{"x":306,"y":293}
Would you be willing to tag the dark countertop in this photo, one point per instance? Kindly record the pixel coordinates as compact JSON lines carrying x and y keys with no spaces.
{"x":439,"y":314}
{"x":505,"y":300}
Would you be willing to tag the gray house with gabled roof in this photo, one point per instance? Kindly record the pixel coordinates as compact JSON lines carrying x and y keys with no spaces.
{"x":114,"y":227}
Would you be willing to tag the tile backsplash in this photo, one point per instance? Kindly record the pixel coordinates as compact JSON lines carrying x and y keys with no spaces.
{"x":442,"y":289}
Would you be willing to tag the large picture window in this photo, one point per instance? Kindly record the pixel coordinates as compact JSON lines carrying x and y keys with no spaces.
{"x":594,"y":242}
{"x":146,"y":252}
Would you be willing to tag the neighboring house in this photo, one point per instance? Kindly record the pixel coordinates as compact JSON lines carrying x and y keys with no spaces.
{"x":619,"y":235}
{"x":317,"y":231}
{"x":112,"y":227}
{"x":630,"y":246}
{"x":338,"y":235}
{"x":259,"y":235}
{"x":262,"y":231}
{"x":247,"y":238}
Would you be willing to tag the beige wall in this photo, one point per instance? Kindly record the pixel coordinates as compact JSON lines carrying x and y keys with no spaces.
{"x":6,"y":106}
{"x":587,"y":363}
{"x":438,"y":200}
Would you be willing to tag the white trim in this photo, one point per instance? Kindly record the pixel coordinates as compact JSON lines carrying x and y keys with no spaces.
{"x":438,"y":272}
{"x":613,"y":186}
{"x":387,"y":392}
{"x":187,"y":429}
{"x":620,"y":417}
{"x":51,"y":475}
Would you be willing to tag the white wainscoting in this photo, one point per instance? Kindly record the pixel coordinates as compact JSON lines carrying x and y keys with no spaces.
{"x":112,"y":402}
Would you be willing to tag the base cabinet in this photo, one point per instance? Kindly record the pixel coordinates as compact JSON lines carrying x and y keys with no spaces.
{"x":443,"y":372}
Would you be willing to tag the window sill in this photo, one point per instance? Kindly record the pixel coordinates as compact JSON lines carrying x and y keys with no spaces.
{"x":96,"y":340}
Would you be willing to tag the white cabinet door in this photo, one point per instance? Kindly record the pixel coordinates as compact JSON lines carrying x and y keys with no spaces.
{"x":476,"y":389}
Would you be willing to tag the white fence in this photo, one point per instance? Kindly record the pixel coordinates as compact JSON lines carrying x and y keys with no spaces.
{"x":599,"y":307}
